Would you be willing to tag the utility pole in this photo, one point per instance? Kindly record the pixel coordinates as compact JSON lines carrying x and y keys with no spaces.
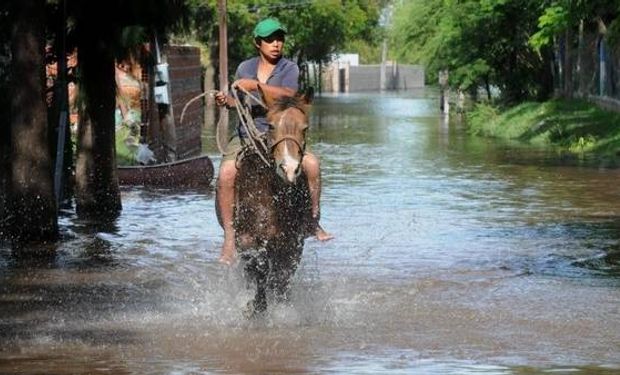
{"x":223,"y":57}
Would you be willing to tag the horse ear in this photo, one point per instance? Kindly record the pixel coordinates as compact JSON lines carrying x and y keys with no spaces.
{"x":267,"y":99}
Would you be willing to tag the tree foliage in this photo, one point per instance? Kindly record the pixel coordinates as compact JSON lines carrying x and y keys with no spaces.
{"x":559,"y":16}
{"x":481,"y":42}
{"x":503,"y":43}
{"x":316,"y":28}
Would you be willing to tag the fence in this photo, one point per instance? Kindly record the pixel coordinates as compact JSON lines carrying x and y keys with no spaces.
{"x":593,"y":68}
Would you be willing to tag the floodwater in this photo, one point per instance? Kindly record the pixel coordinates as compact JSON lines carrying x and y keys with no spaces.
{"x":453,"y":255}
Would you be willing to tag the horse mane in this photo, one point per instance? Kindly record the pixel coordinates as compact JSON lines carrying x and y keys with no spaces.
{"x":286,"y":102}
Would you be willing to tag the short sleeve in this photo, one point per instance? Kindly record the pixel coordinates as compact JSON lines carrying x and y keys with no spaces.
{"x":290,"y":76}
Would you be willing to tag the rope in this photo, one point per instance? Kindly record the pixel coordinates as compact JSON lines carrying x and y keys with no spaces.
{"x":247,"y":122}
{"x":220,"y":147}
{"x":245,"y":117}
{"x":210,"y":92}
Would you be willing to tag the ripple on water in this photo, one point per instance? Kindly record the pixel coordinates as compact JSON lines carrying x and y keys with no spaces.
{"x":452,"y":255}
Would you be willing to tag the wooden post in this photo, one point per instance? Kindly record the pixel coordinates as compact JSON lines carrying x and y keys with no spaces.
{"x":444,"y":103}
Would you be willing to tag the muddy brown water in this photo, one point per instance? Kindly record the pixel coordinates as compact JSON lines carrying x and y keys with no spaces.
{"x":453,"y":255}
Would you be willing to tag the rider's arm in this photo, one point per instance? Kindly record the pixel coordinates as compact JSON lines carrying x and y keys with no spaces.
{"x":252,"y":85}
{"x":277,"y":91}
{"x":287,"y":85}
{"x":271,"y":90}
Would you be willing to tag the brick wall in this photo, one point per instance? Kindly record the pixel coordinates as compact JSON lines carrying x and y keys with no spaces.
{"x":185,"y":83}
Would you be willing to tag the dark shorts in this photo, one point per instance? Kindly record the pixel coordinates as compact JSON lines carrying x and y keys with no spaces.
{"x":232,"y":149}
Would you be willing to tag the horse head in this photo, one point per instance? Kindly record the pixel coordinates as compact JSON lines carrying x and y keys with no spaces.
{"x":288,"y":117}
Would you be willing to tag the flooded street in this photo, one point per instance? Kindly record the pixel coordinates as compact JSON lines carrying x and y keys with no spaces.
{"x":453,"y":255}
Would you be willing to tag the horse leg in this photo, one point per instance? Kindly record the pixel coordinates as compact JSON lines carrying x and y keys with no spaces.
{"x":284,"y":267}
{"x":257,"y":270}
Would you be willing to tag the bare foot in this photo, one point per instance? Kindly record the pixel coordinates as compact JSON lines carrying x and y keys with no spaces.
{"x":322,"y":235}
{"x":229,"y":254}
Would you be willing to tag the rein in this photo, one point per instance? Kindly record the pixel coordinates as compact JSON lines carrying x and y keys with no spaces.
{"x":257,"y":141}
{"x":245,"y":117}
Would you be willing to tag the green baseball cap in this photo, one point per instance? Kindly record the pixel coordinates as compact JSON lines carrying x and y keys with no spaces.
{"x":267,"y":27}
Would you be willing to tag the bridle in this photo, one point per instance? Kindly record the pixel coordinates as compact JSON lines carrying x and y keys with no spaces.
{"x":300,"y":145}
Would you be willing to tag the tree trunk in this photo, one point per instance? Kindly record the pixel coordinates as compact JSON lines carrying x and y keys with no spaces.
{"x":487,"y":87}
{"x":5,"y":134}
{"x":97,"y":192}
{"x":5,"y":171}
{"x":579,"y":68}
{"x":33,"y":206}
{"x":568,"y":63}
{"x":545,"y":74}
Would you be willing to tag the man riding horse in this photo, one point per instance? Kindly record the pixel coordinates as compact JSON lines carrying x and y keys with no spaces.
{"x":277,"y":77}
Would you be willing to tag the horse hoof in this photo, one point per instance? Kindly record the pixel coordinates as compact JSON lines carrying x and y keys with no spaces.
{"x":254,"y":309}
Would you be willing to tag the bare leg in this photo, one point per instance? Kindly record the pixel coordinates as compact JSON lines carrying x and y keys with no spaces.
{"x":311,"y":167}
{"x":225,"y":200}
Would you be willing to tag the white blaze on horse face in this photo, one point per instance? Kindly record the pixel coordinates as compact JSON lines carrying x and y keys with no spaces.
{"x":288,"y":167}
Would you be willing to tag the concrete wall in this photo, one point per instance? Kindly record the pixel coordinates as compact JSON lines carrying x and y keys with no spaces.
{"x":363,"y":78}
{"x":408,"y":77}
{"x":360,"y":78}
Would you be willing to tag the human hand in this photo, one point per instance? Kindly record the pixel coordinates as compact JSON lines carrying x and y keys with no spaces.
{"x":220,"y":98}
{"x":246,"y":84}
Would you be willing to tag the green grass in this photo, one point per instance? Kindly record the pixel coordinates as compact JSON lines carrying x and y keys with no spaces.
{"x":575,"y":125}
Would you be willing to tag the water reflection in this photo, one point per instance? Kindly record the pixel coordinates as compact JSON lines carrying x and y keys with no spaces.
{"x":453,"y":254}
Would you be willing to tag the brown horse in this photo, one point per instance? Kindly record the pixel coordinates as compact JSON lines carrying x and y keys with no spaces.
{"x":272,"y":203}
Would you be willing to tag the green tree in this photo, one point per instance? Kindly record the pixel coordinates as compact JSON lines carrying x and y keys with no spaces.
{"x":481,"y":42}
{"x":562,"y":24}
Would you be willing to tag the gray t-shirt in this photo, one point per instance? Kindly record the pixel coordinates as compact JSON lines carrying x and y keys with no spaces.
{"x":285,"y":74}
